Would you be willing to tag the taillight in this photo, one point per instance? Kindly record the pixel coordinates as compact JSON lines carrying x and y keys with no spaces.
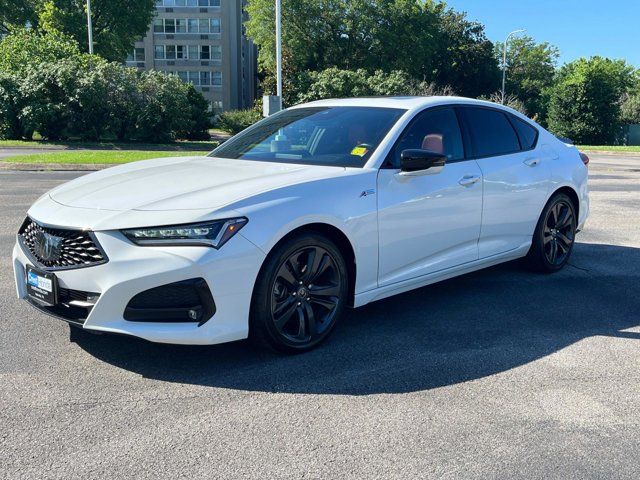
{"x":584,"y":158}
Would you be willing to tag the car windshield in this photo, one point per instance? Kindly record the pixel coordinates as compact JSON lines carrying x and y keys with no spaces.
{"x":333,"y":136}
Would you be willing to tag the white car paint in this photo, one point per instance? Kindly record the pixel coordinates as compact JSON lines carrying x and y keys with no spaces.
{"x":407,"y":231}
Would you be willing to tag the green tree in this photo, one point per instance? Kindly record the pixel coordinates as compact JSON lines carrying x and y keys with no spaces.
{"x":335,"y":83}
{"x":117,"y":24}
{"x":584,"y":102}
{"x":164,"y":107}
{"x":630,"y":109}
{"x":17,"y":13}
{"x":23,"y":48}
{"x":464,"y":59}
{"x":11,"y":104}
{"x":531,"y":67}
{"x":47,"y":91}
{"x":424,"y":39}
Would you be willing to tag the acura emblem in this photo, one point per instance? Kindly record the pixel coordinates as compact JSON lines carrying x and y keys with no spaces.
{"x":47,"y":247}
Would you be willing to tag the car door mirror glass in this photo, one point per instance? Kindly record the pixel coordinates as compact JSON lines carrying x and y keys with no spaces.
{"x":416,"y":160}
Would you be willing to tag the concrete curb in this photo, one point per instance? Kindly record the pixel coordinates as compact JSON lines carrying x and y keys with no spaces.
{"x":55,"y":167}
{"x":611,"y":153}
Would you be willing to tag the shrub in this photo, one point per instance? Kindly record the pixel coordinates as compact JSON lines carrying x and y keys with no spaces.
{"x":23,"y":48}
{"x":585,"y":103}
{"x":234,"y":121}
{"x":11,"y":103}
{"x":164,"y":108}
{"x":199,"y":121}
{"x":630,"y":109}
{"x":510,"y":101}
{"x":47,"y":93}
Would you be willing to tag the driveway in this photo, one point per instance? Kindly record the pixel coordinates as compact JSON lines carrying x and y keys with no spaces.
{"x":497,"y":374}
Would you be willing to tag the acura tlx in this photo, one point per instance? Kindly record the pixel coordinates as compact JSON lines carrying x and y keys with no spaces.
{"x":320,"y":207}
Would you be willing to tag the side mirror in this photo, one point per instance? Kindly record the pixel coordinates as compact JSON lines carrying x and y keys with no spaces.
{"x":419,"y":160}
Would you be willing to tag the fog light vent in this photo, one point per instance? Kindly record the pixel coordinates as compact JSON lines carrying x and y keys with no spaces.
{"x":189,"y":301}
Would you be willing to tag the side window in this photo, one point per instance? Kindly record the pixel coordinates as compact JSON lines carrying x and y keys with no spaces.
{"x":490,"y":131}
{"x":435,"y":130}
{"x":526,"y":133}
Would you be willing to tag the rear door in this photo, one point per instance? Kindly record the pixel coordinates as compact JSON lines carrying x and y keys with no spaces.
{"x":515,"y":176}
{"x":428,"y":222}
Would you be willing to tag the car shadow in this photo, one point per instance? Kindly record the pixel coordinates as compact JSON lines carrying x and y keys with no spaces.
{"x":462,"y":329}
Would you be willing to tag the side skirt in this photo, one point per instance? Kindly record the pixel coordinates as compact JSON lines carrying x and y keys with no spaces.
{"x":424,"y":280}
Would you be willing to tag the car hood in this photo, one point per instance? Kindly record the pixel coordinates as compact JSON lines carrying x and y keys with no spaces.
{"x":182,"y":183}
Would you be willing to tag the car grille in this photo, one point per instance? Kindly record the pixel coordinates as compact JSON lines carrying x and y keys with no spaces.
{"x":74,"y":306}
{"x":57,"y":249}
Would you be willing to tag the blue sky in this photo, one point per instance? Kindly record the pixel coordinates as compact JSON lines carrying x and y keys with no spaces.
{"x":577,"y":27}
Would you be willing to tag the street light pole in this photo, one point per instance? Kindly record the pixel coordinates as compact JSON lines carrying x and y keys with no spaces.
{"x":504,"y":62}
{"x":279,"y":50}
{"x":89,"y":27}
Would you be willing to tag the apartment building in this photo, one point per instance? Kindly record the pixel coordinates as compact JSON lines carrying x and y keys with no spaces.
{"x":203,"y":42}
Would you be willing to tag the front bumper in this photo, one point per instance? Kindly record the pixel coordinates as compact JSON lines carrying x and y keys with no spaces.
{"x":229,"y":272}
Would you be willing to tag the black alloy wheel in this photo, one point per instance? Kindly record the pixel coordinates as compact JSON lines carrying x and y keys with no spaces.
{"x":300,"y":294}
{"x":559,"y":232}
{"x":555,"y":234}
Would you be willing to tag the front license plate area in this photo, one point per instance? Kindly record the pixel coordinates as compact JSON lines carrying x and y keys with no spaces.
{"x":42,"y":286}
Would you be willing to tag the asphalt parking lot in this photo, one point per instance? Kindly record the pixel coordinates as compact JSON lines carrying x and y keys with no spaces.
{"x":497,"y":374}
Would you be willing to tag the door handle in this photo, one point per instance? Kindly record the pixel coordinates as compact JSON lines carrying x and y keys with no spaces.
{"x":531,"y":162}
{"x":469,"y":180}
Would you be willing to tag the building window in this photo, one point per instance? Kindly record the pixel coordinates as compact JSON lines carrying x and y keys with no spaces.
{"x":216,"y":79}
{"x":170,"y":52}
{"x":183,"y":76}
{"x":158,"y":52}
{"x":216,"y":52}
{"x":186,"y":25}
{"x":137,"y":55}
{"x":205,"y":54}
{"x":205,"y":78}
{"x":181,"y":52}
{"x":194,"y":54}
{"x":169,"y":25}
{"x":192,"y":25}
{"x":217,"y":106}
{"x":214,"y":25}
{"x":187,"y":3}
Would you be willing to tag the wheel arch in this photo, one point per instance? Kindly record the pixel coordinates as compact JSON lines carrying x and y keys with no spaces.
{"x":572,"y":194}
{"x":334,"y":234}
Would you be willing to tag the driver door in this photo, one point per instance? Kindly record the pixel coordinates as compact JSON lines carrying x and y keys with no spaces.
{"x":430,"y":221}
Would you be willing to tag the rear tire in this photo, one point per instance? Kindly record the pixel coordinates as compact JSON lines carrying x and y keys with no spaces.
{"x":300,"y":294}
{"x":554,"y":236}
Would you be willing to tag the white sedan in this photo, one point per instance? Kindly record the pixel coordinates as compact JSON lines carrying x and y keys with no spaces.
{"x":323,"y":206}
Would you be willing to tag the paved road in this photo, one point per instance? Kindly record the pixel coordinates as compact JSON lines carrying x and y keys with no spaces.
{"x":498,"y":374}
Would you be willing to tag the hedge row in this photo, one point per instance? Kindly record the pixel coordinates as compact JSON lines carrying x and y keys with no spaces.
{"x":96,"y":100}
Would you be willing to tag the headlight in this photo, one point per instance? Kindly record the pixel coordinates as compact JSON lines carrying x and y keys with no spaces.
{"x":211,"y":234}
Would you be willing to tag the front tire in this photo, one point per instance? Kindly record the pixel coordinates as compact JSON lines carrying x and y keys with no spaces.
{"x":554,"y":236}
{"x":300,"y":294}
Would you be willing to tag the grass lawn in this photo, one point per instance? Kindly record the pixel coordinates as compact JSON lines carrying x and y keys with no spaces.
{"x":99,"y":156}
{"x":180,"y":145}
{"x":615,"y":148}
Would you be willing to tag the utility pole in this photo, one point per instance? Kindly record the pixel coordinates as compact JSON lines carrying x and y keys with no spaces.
{"x":504,"y":63}
{"x":279,"y":50}
{"x":89,"y":27}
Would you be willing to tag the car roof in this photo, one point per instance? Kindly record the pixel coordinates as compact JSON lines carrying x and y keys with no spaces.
{"x":406,"y":103}
{"x":409,"y":103}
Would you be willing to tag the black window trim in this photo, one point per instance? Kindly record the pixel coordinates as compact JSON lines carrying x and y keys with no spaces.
{"x":387,"y":164}
{"x":467,"y":136}
{"x":513,"y":118}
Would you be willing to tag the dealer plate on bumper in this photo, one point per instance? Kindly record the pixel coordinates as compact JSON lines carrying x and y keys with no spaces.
{"x":42,"y":286}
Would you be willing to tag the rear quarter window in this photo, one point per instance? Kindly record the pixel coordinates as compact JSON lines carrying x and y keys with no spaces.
{"x":527,"y":134}
{"x":490,"y":132}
